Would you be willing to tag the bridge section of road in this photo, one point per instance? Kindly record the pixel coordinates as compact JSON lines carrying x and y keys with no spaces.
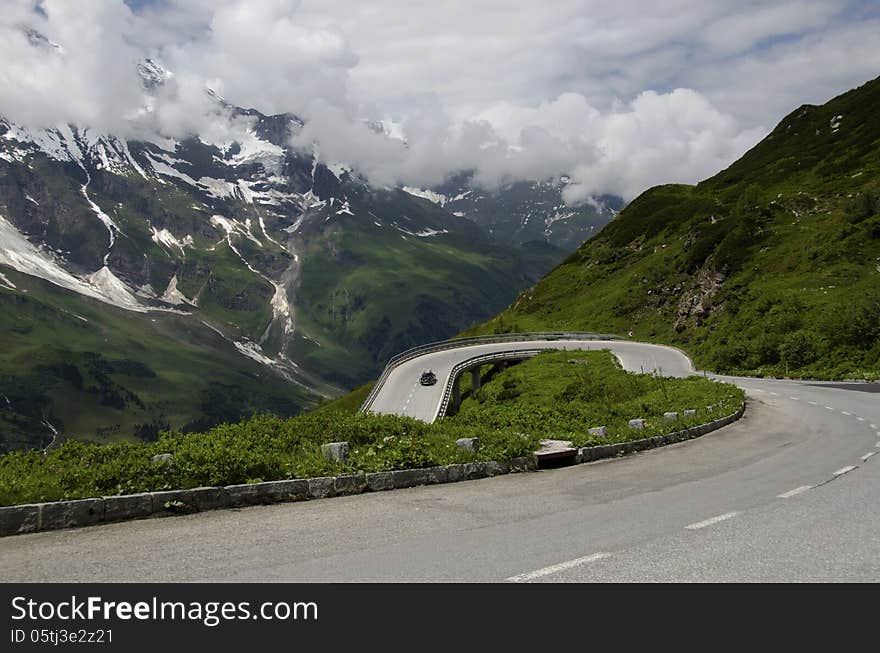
{"x":400,"y":392}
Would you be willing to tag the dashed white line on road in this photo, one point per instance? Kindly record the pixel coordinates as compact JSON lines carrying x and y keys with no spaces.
{"x":843,"y":412}
{"x":562,"y":566}
{"x":795,"y":398}
{"x":873,"y":426}
{"x":845,"y":470}
{"x":829,"y":408}
{"x":794,"y":492}
{"x":861,"y":419}
{"x":711,"y":520}
{"x":774,"y":394}
{"x":868,"y":455}
{"x":812,"y":403}
{"x":757,"y":390}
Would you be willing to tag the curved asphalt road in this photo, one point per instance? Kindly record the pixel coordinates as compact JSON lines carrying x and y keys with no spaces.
{"x":402,"y":394}
{"x":788,"y":493}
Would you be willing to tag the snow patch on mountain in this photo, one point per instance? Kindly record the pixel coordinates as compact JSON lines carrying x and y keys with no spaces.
{"x":19,"y":253}
{"x":346,"y":209}
{"x":437,"y":198}
{"x":166,"y":238}
{"x":173,"y":296}
{"x":253,"y":351}
{"x":111,"y":287}
{"x":281,"y":308}
{"x":338,"y":169}
{"x":162,"y":168}
{"x":6,"y":283}
{"x":266,"y":233}
{"x":232,"y":227}
{"x":425,"y":233}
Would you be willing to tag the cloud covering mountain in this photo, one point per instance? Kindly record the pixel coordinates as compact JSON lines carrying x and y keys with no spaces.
{"x":618,"y":97}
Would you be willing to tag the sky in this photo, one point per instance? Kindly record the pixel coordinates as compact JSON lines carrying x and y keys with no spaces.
{"x":618,"y":96}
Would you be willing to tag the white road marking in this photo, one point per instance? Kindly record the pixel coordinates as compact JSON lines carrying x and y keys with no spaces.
{"x":794,"y":492}
{"x":873,"y":426}
{"x":711,"y":520}
{"x":861,"y":419}
{"x":774,"y":394}
{"x":868,"y":455}
{"x":562,"y":566}
{"x":812,"y":403}
{"x":845,"y":470}
{"x":795,"y":398}
{"x":757,"y":390}
{"x":843,"y":412}
{"x":829,"y":407}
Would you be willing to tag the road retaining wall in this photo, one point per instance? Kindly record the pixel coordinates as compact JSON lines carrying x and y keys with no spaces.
{"x":30,"y":518}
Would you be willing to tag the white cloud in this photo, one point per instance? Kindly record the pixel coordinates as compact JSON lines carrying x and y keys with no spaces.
{"x":618,"y":95}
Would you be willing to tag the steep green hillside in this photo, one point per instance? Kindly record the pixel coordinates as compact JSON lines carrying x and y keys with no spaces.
{"x":84,"y":369}
{"x":393,"y":273}
{"x":770,"y":267}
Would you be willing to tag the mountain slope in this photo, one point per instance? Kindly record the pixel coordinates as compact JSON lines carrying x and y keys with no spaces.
{"x":243,"y":249}
{"x":771,"y":266}
{"x":524,"y":213}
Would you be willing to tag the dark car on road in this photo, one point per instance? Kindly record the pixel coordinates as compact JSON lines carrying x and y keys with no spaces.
{"x":428,"y":378}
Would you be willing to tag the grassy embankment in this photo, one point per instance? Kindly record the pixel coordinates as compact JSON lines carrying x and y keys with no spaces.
{"x":771,"y":267}
{"x":545,"y":397}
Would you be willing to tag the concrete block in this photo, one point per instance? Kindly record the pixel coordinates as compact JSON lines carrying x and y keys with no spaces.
{"x":475,"y":470}
{"x":350,"y":484}
{"x":336,"y":452}
{"x":322,"y":487}
{"x":378,"y":481}
{"x":468,"y":444}
{"x":19,"y":519}
{"x":210,"y":498}
{"x":173,"y":502}
{"x":523,"y":464}
{"x":586,"y":454}
{"x":599,"y":431}
{"x":187,"y":501}
{"x":690,"y":412}
{"x":164,"y":458}
{"x":637,"y":424}
{"x":670,"y":417}
{"x":128,"y":506}
{"x":496,"y":468}
{"x":254,"y":494}
{"x":454,"y":473}
{"x":409,"y":477}
{"x":68,"y":514}
{"x":437,"y":475}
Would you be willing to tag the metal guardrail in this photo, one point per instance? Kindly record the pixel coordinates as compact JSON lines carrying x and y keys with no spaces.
{"x":455,"y":343}
{"x":458,"y":368}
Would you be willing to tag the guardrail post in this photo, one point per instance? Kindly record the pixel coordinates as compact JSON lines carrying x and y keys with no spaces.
{"x":475,"y":378}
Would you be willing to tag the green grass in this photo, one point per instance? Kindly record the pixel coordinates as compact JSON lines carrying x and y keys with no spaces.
{"x":771,"y":267}
{"x":99,"y":373}
{"x":508,"y":415}
{"x":560,"y":395}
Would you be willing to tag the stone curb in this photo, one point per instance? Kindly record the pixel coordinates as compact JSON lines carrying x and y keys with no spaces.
{"x":34,"y":517}
{"x":589,"y":454}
